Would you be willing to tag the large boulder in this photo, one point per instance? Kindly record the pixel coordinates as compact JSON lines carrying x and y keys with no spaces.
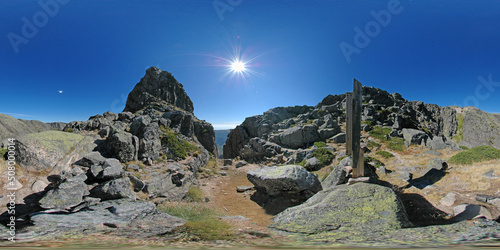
{"x":477,"y":128}
{"x":113,"y":189}
{"x":68,"y":194}
{"x":336,"y":177}
{"x":440,"y":142}
{"x":282,"y":180}
{"x":110,"y":169}
{"x":414,"y":136}
{"x":123,"y":217}
{"x":257,"y":149}
{"x":299,"y":136}
{"x":205,"y":133}
{"x":149,"y":142}
{"x":340,"y":210}
{"x":172,"y":185}
{"x":122,"y":145}
{"x":155,"y":87}
{"x":91,"y":159}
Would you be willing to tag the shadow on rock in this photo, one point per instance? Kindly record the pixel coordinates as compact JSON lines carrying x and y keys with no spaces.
{"x":421,"y":212}
{"x":276,"y":204}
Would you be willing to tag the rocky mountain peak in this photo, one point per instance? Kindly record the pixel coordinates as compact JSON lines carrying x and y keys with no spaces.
{"x":158,"y":86}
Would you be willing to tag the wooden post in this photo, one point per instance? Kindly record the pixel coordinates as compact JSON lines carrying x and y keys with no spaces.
{"x":348,"y":123}
{"x":358,"y":167}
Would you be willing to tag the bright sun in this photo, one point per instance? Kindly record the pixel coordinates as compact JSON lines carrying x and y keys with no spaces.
{"x":238,"y":66}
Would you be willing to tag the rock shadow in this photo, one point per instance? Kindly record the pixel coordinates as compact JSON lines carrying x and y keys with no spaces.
{"x":421,"y":212}
{"x":429,"y":178}
{"x":274,"y":205}
{"x":22,"y":211}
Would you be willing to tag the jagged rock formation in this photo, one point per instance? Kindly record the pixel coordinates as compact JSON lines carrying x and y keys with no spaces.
{"x":157,"y":102}
{"x":298,"y":127}
{"x":155,"y":87}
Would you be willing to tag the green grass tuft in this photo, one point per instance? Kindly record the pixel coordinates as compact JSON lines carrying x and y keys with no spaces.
{"x":320,"y":144}
{"x":396,"y":144}
{"x":373,"y":144}
{"x":477,"y":154}
{"x":202,"y":223}
{"x":385,"y":154}
{"x":178,"y":148}
{"x":194,"y":194}
{"x":380,"y":133}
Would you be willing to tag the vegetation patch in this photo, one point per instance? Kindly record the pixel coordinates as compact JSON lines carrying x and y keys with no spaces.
{"x":320,"y":144}
{"x":396,"y":144}
{"x":194,"y":194}
{"x":3,"y":151}
{"x":460,"y":130}
{"x":374,"y":161}
{"x":385,"y":154}
{"x":369,"y":123}
{"x":324,"y":156}
{"x":373,"y":144}
{"x":380,"y":133}
{"x":202,"y":222}
{"x":177,"y":148}
{"x":477,"y":154}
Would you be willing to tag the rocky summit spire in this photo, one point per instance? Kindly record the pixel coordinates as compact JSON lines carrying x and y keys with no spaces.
{"x":158,"y":86}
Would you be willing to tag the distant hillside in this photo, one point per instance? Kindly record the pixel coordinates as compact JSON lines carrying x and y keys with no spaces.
{"x":220,"y":139}
{"x":12,"y":127}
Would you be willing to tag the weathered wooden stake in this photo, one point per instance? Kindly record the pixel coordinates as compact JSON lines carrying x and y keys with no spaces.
{"x":348,"y":123}
{"x":358,"y":167}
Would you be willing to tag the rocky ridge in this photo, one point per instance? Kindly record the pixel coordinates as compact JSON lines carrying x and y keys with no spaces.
{"x":89,"y":177}
{"x":280,"y":134}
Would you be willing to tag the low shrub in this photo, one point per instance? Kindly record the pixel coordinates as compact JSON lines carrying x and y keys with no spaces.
{"x":477,"y":154}
{"x":320,"y":144}
{"x":324,"y":156}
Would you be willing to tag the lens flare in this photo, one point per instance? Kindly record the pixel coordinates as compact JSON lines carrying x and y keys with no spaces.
{"x":238,"y":66}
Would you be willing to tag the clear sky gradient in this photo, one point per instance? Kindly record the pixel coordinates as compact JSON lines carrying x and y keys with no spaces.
{"x":296,"y":53}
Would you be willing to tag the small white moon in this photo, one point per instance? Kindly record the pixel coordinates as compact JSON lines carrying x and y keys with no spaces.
{"x":60,"y":91}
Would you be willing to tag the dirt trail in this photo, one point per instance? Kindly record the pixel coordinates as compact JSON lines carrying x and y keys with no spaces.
{"x":223,"y":195}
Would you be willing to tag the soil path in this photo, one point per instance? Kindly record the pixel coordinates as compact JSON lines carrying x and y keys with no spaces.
{"x":223,"y":195}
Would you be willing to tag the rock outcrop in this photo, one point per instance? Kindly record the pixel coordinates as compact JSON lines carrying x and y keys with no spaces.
{"x":155,"y":87}
{"x":417,"y":122}
{"x":342,"y":210}
{"x":122,"y":217}
{"x":97,"y":168}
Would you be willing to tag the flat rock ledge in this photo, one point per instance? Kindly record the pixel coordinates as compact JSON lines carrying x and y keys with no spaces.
{"x":123,"y":217}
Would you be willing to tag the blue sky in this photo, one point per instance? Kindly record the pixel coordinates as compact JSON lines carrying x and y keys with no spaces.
{"x":442,"y":52}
